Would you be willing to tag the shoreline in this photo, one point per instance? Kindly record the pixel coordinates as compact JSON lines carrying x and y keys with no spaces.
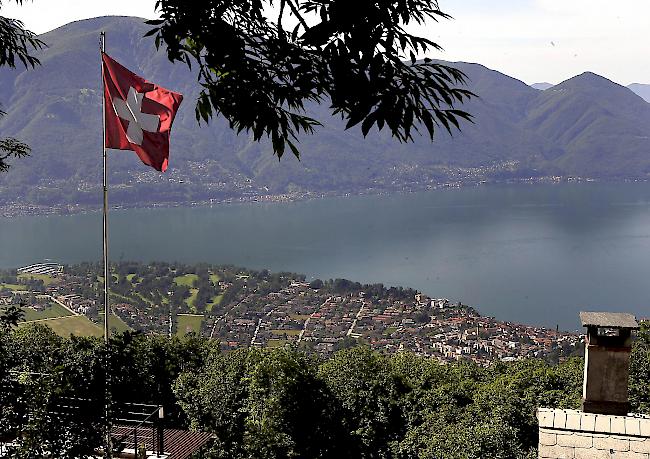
{"x":16,"y":210}
{"x":440,"y":270}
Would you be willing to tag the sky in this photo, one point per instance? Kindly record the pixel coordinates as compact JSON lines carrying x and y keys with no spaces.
{"x":532,"y":40}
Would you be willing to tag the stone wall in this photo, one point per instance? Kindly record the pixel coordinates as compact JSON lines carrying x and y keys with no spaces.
{"x":578,"y":435}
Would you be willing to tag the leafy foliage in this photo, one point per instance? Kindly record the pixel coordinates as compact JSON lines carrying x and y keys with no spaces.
{"x":283,"y":403}
{"x":357,"y":57}
{"x":10,"y":147}
{"x":52,"y":393}
{"x":16,"y":43}
{"x":639,"y":390}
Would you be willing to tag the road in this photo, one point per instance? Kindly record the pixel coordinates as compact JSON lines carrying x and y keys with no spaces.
{"x":304,"y":327}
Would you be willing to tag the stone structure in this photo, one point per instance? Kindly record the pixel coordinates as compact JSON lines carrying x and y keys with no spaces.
{"x":580,"y":435}
{"x":603,"y":430}
{"x":607,"y":360}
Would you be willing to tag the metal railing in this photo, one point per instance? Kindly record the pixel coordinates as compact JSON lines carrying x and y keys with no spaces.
{"x":142,"y":424}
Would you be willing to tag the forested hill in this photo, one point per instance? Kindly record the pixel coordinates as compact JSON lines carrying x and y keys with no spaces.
{"x":586,"y":126}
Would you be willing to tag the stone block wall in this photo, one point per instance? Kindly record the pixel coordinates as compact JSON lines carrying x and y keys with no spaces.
{"x":574,"y":434}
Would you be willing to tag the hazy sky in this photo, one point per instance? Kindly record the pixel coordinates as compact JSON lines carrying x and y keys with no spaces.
{"x":533,"y":40}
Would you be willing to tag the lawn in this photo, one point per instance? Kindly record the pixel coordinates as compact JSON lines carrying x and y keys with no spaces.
{"x":300,"y":317}
{"x":275,"y":343}
{"x":47,"y":280}
{"x":130,"y":278}
{"x":101,"y":278}
{"x":121,"y":298}
{"x":215,"y":278}
{"x":215,"y":301}
{"x":53,"y":310}
{"x":139,"y":295}
{"x":188,"y":323}
{"x":114,"y":322}
{"x":191,"y":300}
{"x":186,"y":280}
{"x":71,"y":325}
{"x":13,"y":286}
{"x":389,"y":331}
{"x":285,"y":332}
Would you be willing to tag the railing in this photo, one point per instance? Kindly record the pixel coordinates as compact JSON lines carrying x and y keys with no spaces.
{"x":141,"y":425}
{"x":133,"y":423}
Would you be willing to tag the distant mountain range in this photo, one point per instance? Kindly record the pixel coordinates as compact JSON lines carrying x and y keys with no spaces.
{"x":642,"y":90}
{"x":541,"y":86}
{"x":586,"y":126}
{"x":639,"y":89}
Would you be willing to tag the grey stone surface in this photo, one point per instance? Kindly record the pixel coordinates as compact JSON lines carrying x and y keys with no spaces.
{"x":577,"y":435}
{"x":608,"y":320}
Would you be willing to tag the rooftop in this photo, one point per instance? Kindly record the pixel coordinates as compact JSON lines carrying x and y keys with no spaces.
{"x":608,"y":319}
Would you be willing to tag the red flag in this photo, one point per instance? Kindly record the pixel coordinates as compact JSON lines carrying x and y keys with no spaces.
{"x":138,"y":113}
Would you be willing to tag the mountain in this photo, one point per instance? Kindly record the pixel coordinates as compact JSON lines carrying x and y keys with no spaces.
{"x":601,"y":128}
{"x":585,"y":126}
{"x":541,"y":86}
{"x":642,"y":90}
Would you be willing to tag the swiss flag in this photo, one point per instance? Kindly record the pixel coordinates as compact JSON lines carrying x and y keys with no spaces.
{"x":138,"y":114}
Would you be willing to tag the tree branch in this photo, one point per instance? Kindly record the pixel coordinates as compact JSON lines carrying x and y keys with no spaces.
{"x":296,"y":13}
{"x":280,"y":29}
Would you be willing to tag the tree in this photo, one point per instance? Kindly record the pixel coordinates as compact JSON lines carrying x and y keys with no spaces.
{"x":640,"y":371}
{"x":369,"y":391}
{"x":15,"y":45}
{"x":357,"y":57}
{"x":264,"y":404}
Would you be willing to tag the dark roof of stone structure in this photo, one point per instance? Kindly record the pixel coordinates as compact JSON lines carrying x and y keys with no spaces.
{"x":608,"y":319}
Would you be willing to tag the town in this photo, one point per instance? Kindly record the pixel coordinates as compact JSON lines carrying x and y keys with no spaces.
{"x":247,"y":308}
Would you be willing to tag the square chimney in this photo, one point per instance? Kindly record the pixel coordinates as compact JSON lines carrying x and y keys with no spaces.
{"x":607,"y":360}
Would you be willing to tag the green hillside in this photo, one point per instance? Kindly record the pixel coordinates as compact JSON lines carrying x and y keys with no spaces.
{"x":586,"y":126}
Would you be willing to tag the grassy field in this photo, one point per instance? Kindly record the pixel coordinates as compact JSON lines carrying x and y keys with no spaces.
{"x":130,"y":278}
{"x":389,"y":331}
{"x":285,"y":332}
{"x":13,"y":286}
{"x":300,"y":317}
{"x":188,"y":323}
{"x":115,"y":322}
{"x":215,"y":301}
{"x":143,"y":298}
{"x":186,"y":280}
{"x":215,"y":278}
{"x":71,"y":325}
{"x":47,"y":280}
{"x":275,"y":343}
{"x":128,"y":299}
{"x":191,"y":300}
{"x":53,"y":310}
{"x":121,"y":298}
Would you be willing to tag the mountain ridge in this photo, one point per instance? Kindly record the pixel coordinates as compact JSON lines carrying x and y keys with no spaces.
{"x":585,"y":126}
{"x":642,"y":90}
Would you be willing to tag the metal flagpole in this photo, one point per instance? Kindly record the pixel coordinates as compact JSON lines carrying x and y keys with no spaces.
{"x":108,"y":453}
{"x":105,"y":225}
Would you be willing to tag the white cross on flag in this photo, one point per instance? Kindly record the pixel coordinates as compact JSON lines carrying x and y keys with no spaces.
{"x":138,"y":114}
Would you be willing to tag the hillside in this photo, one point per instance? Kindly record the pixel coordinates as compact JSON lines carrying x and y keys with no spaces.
{"x":586,"y":126}
{"x":642,"y":90}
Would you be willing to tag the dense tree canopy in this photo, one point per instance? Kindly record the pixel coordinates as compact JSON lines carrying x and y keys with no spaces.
{"x":282,"y":403}
{"x":16,"y":43}
{"x":261,"y":62}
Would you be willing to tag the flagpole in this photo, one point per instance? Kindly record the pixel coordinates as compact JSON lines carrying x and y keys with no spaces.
{"x":105,"y":214}
{"x":108,"y":453}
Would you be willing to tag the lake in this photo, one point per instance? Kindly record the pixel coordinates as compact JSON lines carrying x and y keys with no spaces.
{"x":536,"y":254}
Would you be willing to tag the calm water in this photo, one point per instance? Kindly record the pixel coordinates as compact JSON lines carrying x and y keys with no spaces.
{"x":535,"y":254}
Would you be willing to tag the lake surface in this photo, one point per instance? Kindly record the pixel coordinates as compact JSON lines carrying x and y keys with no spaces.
{"x":536,"y":254}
